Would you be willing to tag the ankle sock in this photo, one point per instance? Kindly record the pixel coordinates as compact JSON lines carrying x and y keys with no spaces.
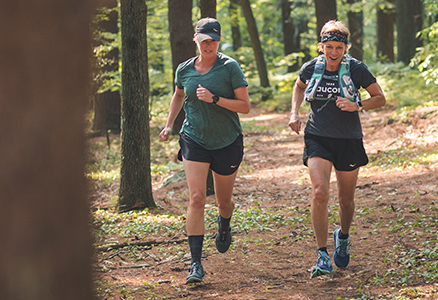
{"x":195,"y":244}
{"x":323,"y":249}
{"x":342,"y":236}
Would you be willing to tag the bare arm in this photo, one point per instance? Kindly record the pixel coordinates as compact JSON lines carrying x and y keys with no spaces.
{"x":175,"y":106}
{"x":297,"y":99}
{"x":377,"y":99}
{"x":240,"y":104}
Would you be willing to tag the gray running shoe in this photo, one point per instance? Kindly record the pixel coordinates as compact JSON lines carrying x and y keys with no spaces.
{"x":196,"y":273}
{"x":223,"y":238}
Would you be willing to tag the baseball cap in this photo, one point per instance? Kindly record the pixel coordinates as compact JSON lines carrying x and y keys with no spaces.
{"x":208,"y":28}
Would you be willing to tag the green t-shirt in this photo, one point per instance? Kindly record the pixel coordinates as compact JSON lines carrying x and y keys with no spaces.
{"x":211,"y":126}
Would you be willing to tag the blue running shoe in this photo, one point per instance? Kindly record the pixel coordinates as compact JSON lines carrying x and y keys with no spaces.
{"x":323,"y":266}
{"x":196,"y":273}
{"x":341,"y":256}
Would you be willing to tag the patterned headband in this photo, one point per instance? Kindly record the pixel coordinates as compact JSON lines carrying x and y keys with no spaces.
{"x":336,"y":36}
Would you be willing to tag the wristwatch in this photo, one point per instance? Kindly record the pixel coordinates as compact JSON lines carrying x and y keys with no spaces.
{"x":360,"y":105}
{"x":215,"y":99}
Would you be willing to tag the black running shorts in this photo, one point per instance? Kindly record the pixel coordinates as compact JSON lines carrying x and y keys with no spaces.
{"x":224,"y":161}
{"x":345,"y":154}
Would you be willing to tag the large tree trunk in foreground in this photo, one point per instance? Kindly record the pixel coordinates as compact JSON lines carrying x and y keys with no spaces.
{"x":46,"y":244}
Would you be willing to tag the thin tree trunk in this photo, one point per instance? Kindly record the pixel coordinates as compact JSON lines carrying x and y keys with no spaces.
{"x":355,"y":24}
{"x":409,"y":21}
{"x":234,"y":22}
{"x":325,"y":10}
{"x":385,"y":33}
{"x":181,"y":41}
{"x":107,"y":104}
{"x":255,"y":41}
{"x":208,"y":8}
{"x":291,"y":34}
{"x":135,"y":174}
{"x":46,"y":251}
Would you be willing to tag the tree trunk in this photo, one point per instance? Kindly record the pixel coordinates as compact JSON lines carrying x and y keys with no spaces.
{"x":325,"y":10}
{"x":46,"y":251}
{"x":107,"y":104}
{"x":256,"y":45}
{"x":291,"y":33}
{"x":208,"y":8}
{"x":409,"y":21}
{"x":181,"y":41}
{"x":233,"y":10}
{"x":135,"y":180}
{"x":385,"y":32}
{"x":355,"y":24}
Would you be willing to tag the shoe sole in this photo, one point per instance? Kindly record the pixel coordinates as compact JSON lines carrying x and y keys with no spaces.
{"x":194,"y":279}
{"x":320,"y":272}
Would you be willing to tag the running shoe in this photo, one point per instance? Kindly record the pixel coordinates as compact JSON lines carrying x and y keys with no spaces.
{"x":341,"y":256}
{"x":196,"y":273}
{"x":223,"y":237}
{"x":323,"y":266}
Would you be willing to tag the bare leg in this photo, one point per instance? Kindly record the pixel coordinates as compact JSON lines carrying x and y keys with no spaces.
{"x":196,"y":173}
{"x":223,"y":186}
{"x":319,"y":171}
{"x":346,"y":188}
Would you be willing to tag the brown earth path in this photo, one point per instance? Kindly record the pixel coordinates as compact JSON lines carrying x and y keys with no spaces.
{"x":274,"y":264}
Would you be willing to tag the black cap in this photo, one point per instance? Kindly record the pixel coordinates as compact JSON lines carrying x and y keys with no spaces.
{"x":208,"y":28}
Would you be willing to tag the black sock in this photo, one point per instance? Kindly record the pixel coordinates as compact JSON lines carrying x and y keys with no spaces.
{"x":342,"y":236}
{"x":195,"y":244}
{"x":323,"y":249}
{"x":225,"y":223}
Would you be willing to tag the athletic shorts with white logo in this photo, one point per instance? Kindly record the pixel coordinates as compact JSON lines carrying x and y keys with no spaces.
{"x":345,"y":154}
{"x":224,"y":161}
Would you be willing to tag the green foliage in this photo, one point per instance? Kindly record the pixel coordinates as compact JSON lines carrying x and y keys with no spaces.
{"x":426,"y":58}
{"x":106,"y":42}
{"x":403,"y":86}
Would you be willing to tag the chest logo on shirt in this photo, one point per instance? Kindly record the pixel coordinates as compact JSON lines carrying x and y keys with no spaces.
{"x":328,"y":89}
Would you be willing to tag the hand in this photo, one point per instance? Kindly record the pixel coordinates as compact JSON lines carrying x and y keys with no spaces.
{"x":203,"y":94}
{"x":295,"y":123}
{"x":346,"y":105}
{"x":165,"y":133}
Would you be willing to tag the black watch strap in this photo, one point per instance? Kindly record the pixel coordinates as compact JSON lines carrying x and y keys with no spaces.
{"x":215,"y":99}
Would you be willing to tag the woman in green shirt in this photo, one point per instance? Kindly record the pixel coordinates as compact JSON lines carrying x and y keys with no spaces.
{"x":212,"y":90}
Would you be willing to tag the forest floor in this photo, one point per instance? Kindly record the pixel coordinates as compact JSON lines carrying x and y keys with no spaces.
{"x":394,"y":252}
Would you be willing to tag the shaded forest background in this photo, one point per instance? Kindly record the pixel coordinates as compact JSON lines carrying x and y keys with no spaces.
{"x":270,"y":40}
{"x":142,"y":252}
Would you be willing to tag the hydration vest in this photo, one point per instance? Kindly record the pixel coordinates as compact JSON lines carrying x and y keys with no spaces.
{"x":346,"y":86}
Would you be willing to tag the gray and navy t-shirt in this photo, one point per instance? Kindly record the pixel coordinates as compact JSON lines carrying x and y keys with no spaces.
{"x":211,"y":126}
{"x":330,"y":121}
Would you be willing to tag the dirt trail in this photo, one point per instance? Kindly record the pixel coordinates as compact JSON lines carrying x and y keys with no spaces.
{"x":274,"y":264}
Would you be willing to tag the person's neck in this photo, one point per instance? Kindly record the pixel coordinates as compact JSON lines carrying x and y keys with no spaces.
{"x":207,"y":61}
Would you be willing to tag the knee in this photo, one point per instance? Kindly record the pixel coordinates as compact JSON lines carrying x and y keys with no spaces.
{"x":320,"y":195}
{"x":225,"y":205}
{"x":346,"y":204}
{"x":197,"y":200}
